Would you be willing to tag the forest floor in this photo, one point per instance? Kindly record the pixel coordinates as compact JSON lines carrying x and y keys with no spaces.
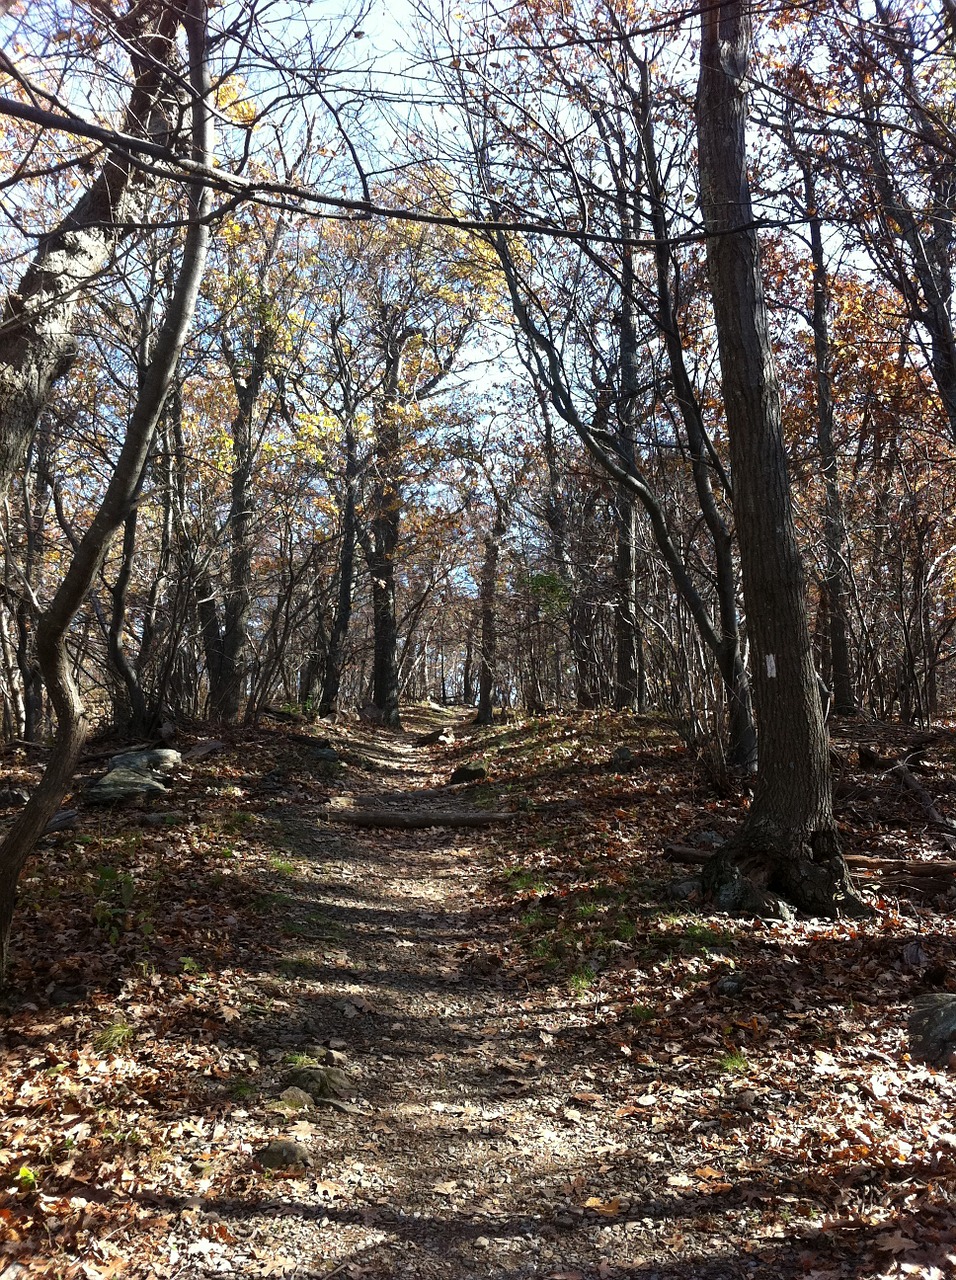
{"x":507,"y":1051}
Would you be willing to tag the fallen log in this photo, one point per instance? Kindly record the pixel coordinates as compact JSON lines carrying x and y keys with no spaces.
{"x":406,"y":821}
{"x":946,"y":829}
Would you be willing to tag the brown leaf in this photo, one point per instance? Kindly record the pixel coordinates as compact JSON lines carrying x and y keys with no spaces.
{"x":610,"y":1208}
{"x":894,"y":1242}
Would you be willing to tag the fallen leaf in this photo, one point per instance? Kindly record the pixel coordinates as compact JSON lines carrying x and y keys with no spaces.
{"x":610,"y":1208}
{"x":894,"y":1242}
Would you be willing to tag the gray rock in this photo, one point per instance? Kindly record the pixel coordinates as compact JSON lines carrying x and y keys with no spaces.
{"x":169,"y":818}
{"x":932,"y":1027}
{"x":62,"y":821}
{"x":322,"y":1082}
{"x":621,"y":757}
{"x":734,"y":893}
{"x":328,"y":1057}
{"x":124,"y":784}
{"x":684,"y":890}
{"x":158,"y":760}
{"x":283,"y":1153}
{"x":468,"y":773}
{"x":13,"y":797}
{"x":326,"y":755}
{"x":296,"y":1098}
{"x":713,"y":839}
{"x":731,"y":984}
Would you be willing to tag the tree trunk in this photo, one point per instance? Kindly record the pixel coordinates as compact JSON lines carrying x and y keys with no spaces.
{"x":835,"y":584}
{"x":787,"y":846}
{"x":630,"y":688}
{"x":489,"y":622}
{"x":467,"y":677}
{"x":384,"y":528}
{"x":22,"y":836}
{"x":385,"y":674}
{"x":137,"y":713}
{"x":36,"y":333}
{"x":328,"y":700}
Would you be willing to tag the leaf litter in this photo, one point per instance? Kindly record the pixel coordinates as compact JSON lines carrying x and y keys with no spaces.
{"x":558,"y":1068}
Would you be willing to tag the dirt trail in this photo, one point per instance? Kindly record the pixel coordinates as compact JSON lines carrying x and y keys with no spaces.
{"x":482,"y":1128}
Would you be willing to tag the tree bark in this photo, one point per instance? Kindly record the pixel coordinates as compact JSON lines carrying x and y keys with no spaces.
{"x":630,"y":679}
{"x":21,"y":838}
{"x":488,"y":649}
{"x":787,"y":846}
{"x":335,"y":654}
{"x":834,"y":529}
{"x":384,"y":529}
{"x":37,"y":321}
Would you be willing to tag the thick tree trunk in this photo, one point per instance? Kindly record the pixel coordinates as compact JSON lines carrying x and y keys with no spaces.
{"x":788,"y":844}
{"x":384,"y":529}
{"x":36,"y":326}
{"x":22,"y":836}
{"x":226,"y":692}
{"x":385,"y":674}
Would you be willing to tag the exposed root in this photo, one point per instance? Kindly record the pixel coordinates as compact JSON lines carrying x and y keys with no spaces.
{"x":811,"y":877}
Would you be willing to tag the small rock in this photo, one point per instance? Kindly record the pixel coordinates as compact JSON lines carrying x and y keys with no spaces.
{"x":332,"y":1057}
{"x":13,"y":797}
{"x":322,"y":1082}
{"x":167,"y":819}
{"x":914,"y":956}
{"x":64,"y":996}
{"x":621,"y":757}
{"x":712,"y":839}
{"x":62,"y":821}
{"x":283,"y":1153}
{"x":731,"y":984}
{"x":296,"y":1098}
{"x":684,"y":890}
{"x":124,"y":784}
{"x":326,"y":755}
{"x":158,"y":760}
{"x":468,"y":773}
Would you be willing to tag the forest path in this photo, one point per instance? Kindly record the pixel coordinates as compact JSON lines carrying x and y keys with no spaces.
{"x":283,"y":1045}
{"x":479,"y":1129}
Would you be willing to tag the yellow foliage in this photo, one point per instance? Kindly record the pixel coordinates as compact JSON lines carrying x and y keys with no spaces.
{"x":233,"y":101}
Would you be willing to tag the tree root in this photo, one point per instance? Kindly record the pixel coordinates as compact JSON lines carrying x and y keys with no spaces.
{"x":746,"y":878}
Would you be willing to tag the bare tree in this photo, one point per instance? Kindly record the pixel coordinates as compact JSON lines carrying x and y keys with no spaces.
{"x":114,"y":508}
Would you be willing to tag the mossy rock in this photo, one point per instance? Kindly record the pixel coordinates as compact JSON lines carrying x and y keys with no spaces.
{"x":322,"y":1082}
